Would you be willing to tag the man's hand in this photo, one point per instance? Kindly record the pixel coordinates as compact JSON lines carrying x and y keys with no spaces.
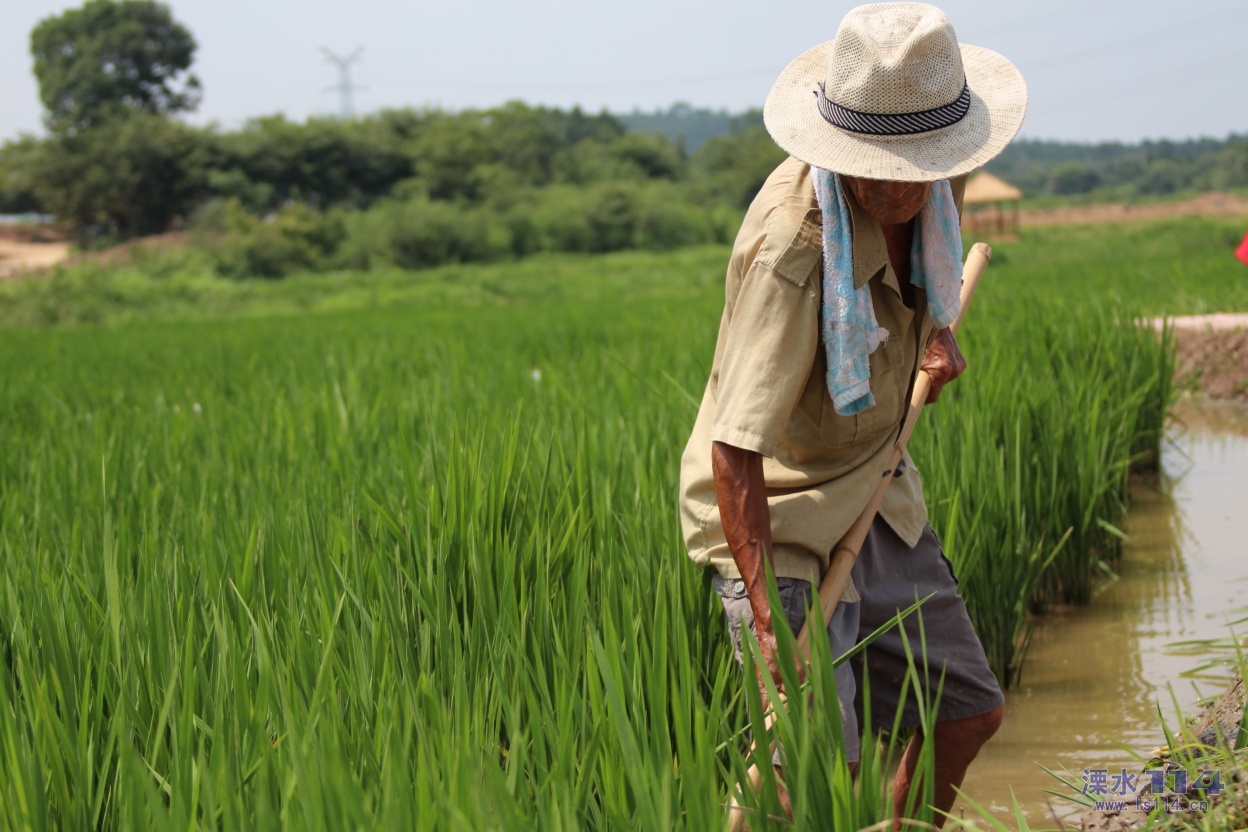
{"x":943,"y":361}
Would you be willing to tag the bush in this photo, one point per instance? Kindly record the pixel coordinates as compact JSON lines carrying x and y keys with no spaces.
{"x":257,"y":197}
{"x":323,"y":162}
{"x":554,"y":219}
{"x":613,"y":219}
{"x":732,"y":169}
{"x":295,"y":239}
{"x":418,"y":233}
{"x":18,"y":158}
{"x":1161,"y":177}
{"x":668,"y":220}
{"x":1070,"y":178}
{"x":654,"y":215}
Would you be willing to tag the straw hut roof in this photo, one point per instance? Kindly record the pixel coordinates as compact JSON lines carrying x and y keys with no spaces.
{"x":984,"y":187}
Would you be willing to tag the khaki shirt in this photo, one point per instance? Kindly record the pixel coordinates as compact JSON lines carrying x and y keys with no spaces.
{"x":768,"y":388}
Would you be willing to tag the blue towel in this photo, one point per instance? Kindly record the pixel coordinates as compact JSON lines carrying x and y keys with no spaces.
{"x":847,"y":321}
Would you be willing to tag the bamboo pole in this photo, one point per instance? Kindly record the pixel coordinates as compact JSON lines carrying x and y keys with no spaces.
{"x":846,"y":551}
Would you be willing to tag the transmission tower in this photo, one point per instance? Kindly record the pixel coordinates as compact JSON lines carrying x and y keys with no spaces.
{"x":345,"y":88}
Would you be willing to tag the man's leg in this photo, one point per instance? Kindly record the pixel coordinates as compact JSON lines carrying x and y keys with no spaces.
{"x":890,"y":576}
{"x":796,"y":596}
{"x":957,"y":743}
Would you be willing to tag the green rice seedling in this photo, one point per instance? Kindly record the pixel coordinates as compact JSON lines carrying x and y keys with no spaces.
{"x":412,"y":559}
{"x":822,"y":787}
{"x":1027,"y":462}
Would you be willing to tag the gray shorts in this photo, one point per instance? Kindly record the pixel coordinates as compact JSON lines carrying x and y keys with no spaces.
{"x":889,"y":576}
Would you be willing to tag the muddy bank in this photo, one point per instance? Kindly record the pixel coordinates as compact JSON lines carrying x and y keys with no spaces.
{"x":1214,"y":362}
{"x":1216,"y":726}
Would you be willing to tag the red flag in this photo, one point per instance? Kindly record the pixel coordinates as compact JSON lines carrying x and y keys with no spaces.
{"x":1242,"y":251}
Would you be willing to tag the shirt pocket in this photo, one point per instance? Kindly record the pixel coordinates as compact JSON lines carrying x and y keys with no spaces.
{"x":889,"y":382}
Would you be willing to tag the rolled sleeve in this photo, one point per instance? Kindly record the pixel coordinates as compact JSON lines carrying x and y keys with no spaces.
{"x":766,"y":360}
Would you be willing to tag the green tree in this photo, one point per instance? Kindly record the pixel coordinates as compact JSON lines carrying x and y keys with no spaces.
{"x":689,"y":125}
{"x":322,"y":162}
{"x":1231,"y":169}
{"x":110,"y":57}
{"x":17,"y":185}
{"x":655,"y":155}
{"x":125,"y":177}
{"x":1069,"y":178}
{"x":733,"y":168}
{"x":1164,"y":175}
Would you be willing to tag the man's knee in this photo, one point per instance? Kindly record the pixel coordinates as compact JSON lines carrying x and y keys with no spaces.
{"x":987,"y":724}
{"x":974,"y":731}
{"x":964,"y":737}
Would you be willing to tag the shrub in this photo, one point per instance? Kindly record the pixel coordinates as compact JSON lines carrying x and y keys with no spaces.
{"x":667,"y":220}
{"x":555,"y":219}
{"x":297,"y":238}
{"x":1071,"y":178}
{"x":418,"y":233}
{"x":613,"y":219}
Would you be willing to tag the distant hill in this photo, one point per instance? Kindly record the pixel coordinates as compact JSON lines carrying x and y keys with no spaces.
{"x":1123,"y":171}
{"x":690,"y":125}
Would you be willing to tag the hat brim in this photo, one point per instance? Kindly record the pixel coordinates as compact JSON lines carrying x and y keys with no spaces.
{"x":998,"y":104}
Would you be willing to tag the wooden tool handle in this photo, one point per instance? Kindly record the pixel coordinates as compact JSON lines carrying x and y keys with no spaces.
{"x":845,"y":553}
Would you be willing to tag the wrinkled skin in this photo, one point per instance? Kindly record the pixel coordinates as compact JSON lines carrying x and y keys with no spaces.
{"x":943,"y":362}
{"x":890,"y":203}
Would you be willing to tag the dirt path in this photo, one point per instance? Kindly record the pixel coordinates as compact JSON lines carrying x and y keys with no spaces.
{"x":17,"y":257}
{"x":1211,"y":204}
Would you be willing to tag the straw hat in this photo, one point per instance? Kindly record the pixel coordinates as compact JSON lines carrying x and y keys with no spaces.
{"x":893,"y":96}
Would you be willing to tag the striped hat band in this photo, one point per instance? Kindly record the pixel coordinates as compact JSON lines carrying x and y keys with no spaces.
{"x":893,"y":124}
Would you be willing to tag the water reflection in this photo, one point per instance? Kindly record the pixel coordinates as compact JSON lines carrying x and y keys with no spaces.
{"x":1095,"y":676}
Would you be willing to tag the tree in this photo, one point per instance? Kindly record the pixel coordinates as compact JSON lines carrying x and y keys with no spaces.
{"x":128,"y":176}
{"x":111,"y":57}
{"x":17,"y":186}
{"x":1070,"y":178}
{"x":322,"y":162}
{"x":733,"y":168}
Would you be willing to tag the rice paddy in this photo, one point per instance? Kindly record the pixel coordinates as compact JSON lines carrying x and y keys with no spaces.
{"x":411,"y":559}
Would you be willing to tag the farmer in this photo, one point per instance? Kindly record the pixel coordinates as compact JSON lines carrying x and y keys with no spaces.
{"x":842,"y":280}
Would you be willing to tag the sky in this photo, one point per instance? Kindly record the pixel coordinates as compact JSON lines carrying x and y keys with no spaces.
{"x":1097,"y":70}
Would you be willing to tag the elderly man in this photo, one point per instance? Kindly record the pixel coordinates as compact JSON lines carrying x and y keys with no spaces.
{"x":842,"y":278}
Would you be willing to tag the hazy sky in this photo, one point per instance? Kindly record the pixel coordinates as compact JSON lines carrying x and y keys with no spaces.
{"x":1096,"y":69}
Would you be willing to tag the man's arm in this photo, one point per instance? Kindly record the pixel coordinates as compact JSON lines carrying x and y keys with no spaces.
{"x":741,"y":493}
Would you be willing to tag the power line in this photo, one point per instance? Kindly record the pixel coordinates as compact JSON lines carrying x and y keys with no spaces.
{"x":345,"y":88}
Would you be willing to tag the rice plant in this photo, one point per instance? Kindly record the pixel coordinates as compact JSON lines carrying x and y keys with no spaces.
{"x":419,"y":565}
